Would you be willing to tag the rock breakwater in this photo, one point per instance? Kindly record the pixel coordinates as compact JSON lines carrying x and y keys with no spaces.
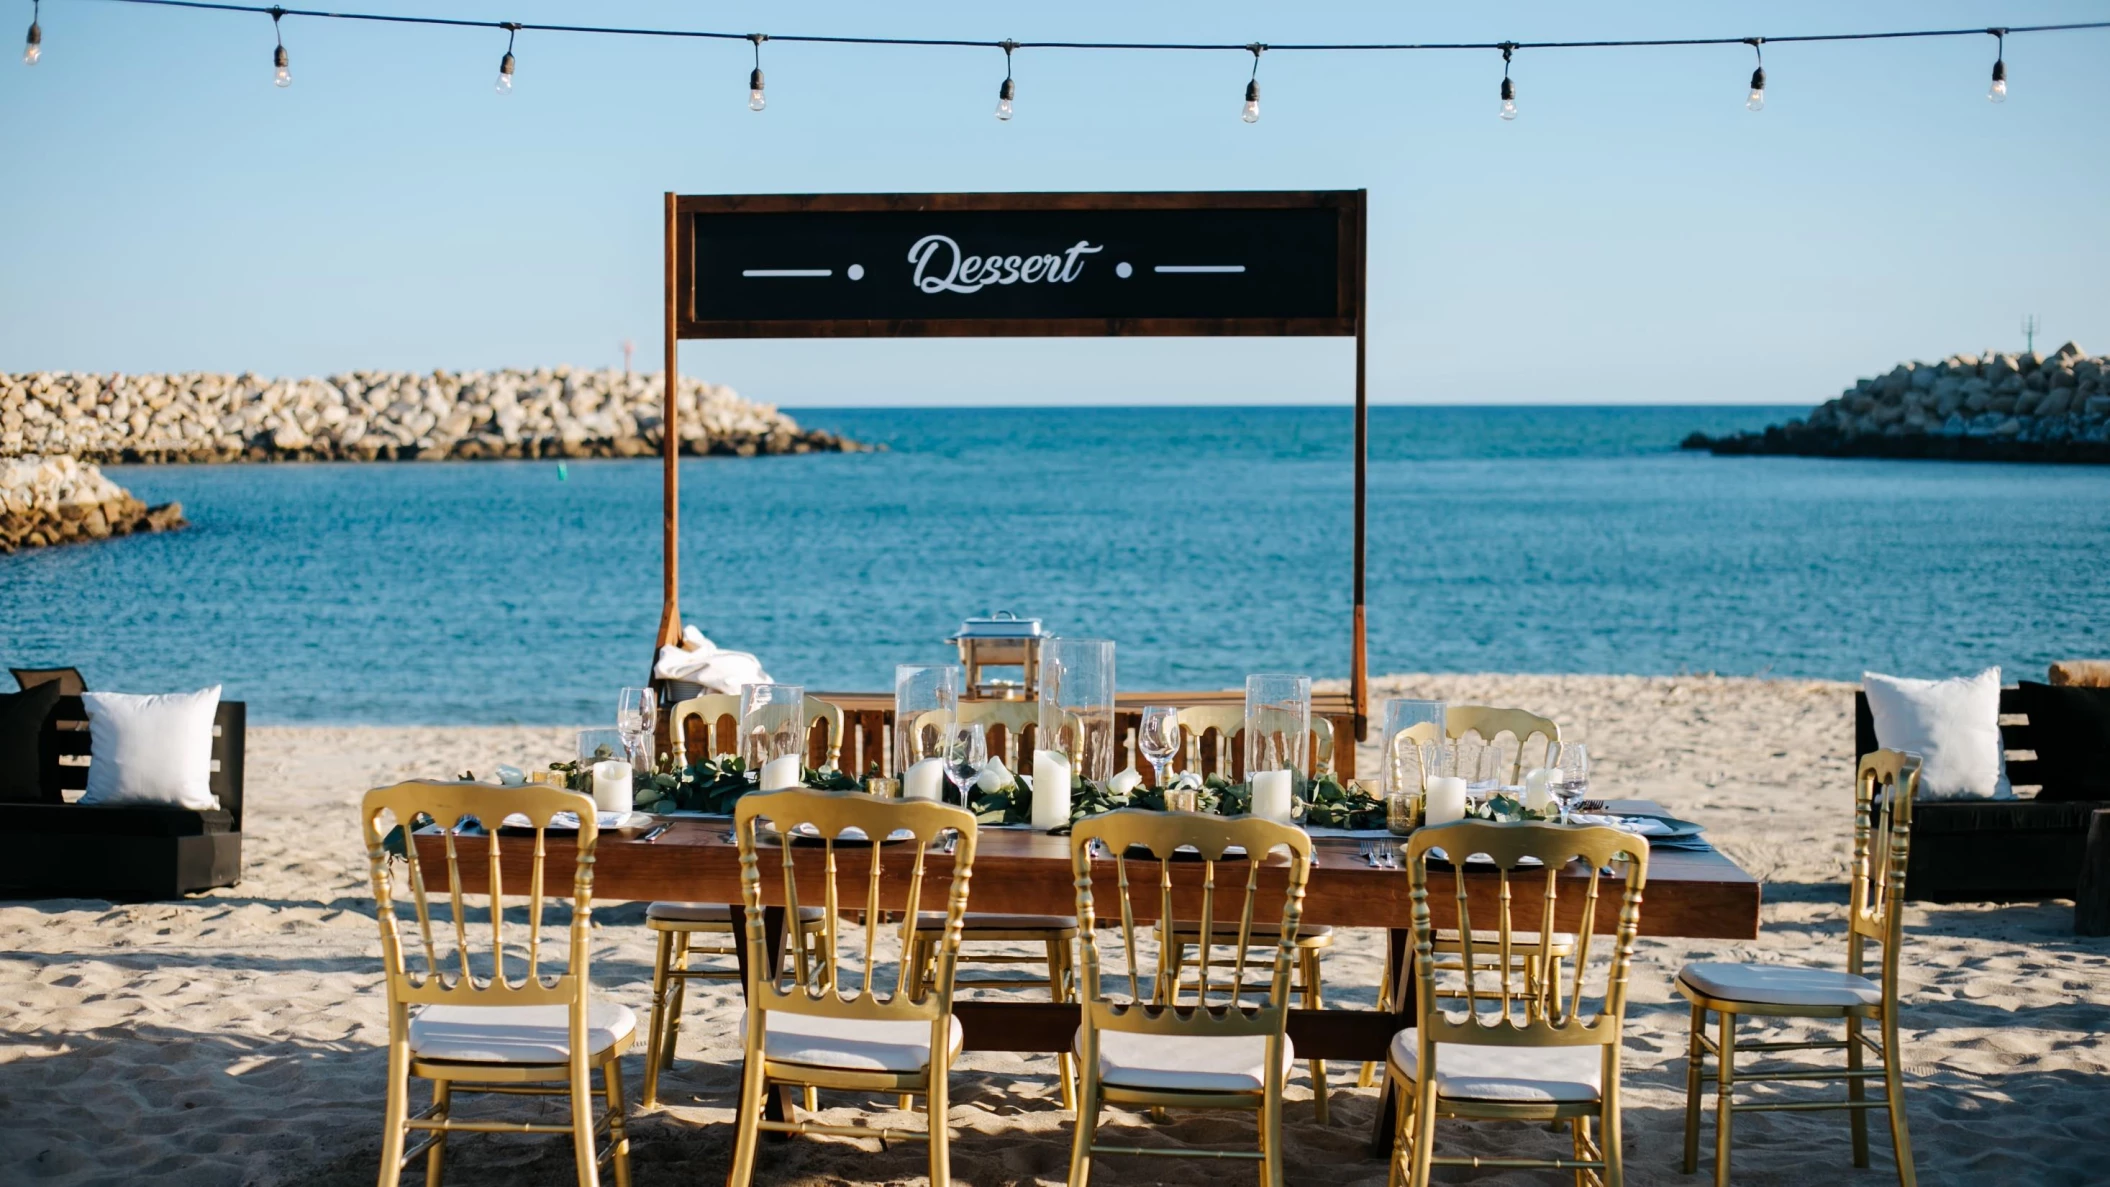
{"x":382,"y":415}
{"x":59,"y":500}
{"x":1993,"y":407}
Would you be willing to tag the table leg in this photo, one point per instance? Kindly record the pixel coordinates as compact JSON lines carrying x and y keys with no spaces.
{"x":778,"y":1106}
{"x":1399,"y":952}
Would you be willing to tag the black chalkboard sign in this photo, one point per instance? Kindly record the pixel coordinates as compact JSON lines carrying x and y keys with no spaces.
{"x":908,"y":265}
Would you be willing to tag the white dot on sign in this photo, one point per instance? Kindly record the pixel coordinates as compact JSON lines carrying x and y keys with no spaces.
{"x":1124,"y":269}
{"x":857,"y":271}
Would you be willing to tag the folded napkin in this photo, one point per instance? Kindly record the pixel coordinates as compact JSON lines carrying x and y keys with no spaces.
{"x":700,"y":661}
{"x":1641,"y":826}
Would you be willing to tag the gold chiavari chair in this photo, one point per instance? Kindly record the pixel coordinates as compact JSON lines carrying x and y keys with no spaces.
{"x":1055,"y":935}
{"x":1537,"y":738}
{"x":1225,"y":724}
{"x":677,"y":924}
{"x":1884,"y":788}
{"x":472,"y":1023}
{"x":1152,"y":1047}
{"x":835,"y":1030}
{"x":1516,"y":1054}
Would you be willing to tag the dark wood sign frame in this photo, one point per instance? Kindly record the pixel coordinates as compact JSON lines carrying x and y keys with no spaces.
{"x":1345,"y":319}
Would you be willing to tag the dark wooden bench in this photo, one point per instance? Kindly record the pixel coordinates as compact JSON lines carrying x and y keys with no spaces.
{"x":1978,"y":851}
{"x":58,"y":847}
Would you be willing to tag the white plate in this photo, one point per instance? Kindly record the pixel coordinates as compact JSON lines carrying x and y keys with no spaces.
{"x":1483,"y":859}
{"x":805,"y":831}
{"x":569,"y":821}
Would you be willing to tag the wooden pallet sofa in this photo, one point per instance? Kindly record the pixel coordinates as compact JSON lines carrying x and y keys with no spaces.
{"x":121,"y":851}
{"x":2031,"y":847}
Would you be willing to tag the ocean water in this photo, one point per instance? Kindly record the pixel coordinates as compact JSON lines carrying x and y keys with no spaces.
{"x":1207,"y":542}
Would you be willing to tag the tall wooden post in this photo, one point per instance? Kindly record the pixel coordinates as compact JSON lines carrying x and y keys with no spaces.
{"x":1359,"y":663}
{"x":670,"y":452}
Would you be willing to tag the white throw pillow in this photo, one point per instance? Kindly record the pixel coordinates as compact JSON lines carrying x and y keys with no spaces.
{"x":1953,"y":725}
{"x":151,"y":749}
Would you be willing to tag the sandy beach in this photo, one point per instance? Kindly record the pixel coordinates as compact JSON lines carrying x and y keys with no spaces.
{"x":236,"y":1037}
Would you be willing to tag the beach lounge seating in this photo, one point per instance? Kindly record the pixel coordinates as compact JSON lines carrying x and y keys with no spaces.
{"x":456,"y":1014}
{"x":1228,"y":1047}
{"x":1991,"y":850}
{"x":1515,"y":1053}
{"x":120,"y":851}
{"x":837,"y":1030}
{"x":1875,"y":914}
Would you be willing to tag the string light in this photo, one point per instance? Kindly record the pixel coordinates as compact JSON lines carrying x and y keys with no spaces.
{"x":755,"y":99}
{"x":1999,"y":92}
{"x":1009,"y":91}
{"x":1509,"y":89}
{"x":505,"y":64}
{"x":1756,"y":100}
{"x":1251,"y":114}
{"x":34,"y":48}
{"x":280,"y":75}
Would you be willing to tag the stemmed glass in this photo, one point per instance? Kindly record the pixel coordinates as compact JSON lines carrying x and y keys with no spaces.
{"x":966,"y":752}
{"x":636,"y":713}
{"x":1575,"y":777}
{"x":1159,"y":739}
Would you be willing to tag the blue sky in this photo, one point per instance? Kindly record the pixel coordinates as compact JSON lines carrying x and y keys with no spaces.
{"x":1636,"y":236}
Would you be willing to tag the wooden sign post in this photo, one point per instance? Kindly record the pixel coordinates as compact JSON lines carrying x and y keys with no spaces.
{"x":1016,"y":265}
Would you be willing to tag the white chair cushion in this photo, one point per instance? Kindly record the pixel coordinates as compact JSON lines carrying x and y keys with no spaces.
{"x":850,"y":1044}
{"x":1185,"y":1063}
{"x":515,"y":1034}
{"x":1491,"y":941}
{"x":1781,"y":985}
{"x":1535,"y":1075}
{"x":671,"y":912}
{"x":931,"y":921}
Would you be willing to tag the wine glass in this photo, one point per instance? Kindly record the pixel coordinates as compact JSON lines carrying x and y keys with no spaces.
{"x":636,"y":712}
{"x":966,"y":751}
{"x":1159,"y":739}
{"x":1575,"y":777}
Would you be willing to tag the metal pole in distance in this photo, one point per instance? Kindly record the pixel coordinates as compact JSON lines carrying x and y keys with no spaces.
{"x":1359,"y":663}
{"x":670,"y":450}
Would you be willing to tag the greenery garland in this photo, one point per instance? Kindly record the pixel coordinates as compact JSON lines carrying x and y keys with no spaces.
{"x":1326,"y":801}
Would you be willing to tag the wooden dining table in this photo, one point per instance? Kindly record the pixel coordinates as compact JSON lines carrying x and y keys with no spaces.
{"x":1699,"y":894}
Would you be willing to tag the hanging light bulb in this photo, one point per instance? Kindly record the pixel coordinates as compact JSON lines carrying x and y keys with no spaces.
{"x":33,"y":49}
{"x":1998,"y":93}
{"x":756,"y":101}
{"x":505,"y":64}
{"x":1009,"y":91}
{"x":1756,"y":100}
{"x":1251,"y":113}
{"x":280,"y":75}
{"x":1509,"y":89}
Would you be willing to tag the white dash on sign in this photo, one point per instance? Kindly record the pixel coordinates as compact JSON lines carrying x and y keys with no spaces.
{"x":771,"y":272}
{"x":1197,"y":268}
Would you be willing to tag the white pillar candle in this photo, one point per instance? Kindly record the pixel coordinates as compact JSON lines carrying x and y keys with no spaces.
{"x":1271,"y":796}
{"x":781,"y":772}
{"x":1051,"y":789}
{"x":1538,"y":789}
{"x":611,"y":786}
{"x":1446,"y":800}
{"x":924,"y":781}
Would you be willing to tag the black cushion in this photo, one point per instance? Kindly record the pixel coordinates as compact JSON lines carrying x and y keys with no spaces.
{"x":22,"y":743}
{"x":110,"y":820}
{"x":2071,"y":726}
{"x":2002,"y":816}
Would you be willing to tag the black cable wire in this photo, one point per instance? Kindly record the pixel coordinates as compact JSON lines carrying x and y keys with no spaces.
{"x":955,"y":42}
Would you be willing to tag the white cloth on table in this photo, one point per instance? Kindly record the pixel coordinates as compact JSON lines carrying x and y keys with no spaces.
{"x":700,"y":661}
